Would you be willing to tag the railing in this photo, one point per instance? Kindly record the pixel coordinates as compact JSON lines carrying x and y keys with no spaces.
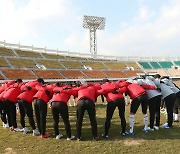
{"x":85,"y":55}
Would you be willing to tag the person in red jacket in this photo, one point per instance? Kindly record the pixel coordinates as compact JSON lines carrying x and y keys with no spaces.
{"x":10,"y":100}
{"x":138,"y":96}
{"x":3,"y":112}
{"x":25,"y":104}
{"x":86,"y":97}
{"x":59,"y":106}
{"x":115,"y":99}
{"x":41,"y":98}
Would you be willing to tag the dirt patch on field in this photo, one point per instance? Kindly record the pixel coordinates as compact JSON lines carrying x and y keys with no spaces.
{"x":9,"y":151}
{"x":133,"y":142}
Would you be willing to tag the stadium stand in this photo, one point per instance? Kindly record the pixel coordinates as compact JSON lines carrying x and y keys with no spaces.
{"x":15,"y":74}
{"x":115,"y":74}
{"x":72,"y":74}
{"x":50,"y":64}
{"x":177,"y":63}
{"x":76,"y":58}
{"x":3,"y":62}
{"x":145,"y":65}
{"x":28,"y":54}
{"x":133,"y":65}
{"x":173,"y":72}
{"x":166,"y":64}
{"x":22,"y":63}
{"x":53,"y":56}
{"x":94,"y":65}
{"x":48,"y":74}
{"x":34,"y":62}
{"x":162,"y":72}
{"x":155,"y":65}
{"x":72,"y":64}
{"x":1,"y":77}
{"x":132,"y":73}
{"x":95,"y":74}
{"x":6,"y":52}
{"x":115,"y":65}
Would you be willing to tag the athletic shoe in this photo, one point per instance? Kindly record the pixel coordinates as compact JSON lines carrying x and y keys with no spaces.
{"x":17,"y":130}
{"x":71,"y":138}
{"x":36,"y":133}
{"x":130,"y":133}
{"x":5,"y":125}
{"x":105,"y":136}
{"x":124,"y":133}
{"x":166,"y":126}
{"x":78,"y":139}
{"x":156,"y":127}
{"x":26,"y":130}
{"x":145,"y":131}
{"x":46,"y":135}
{"x":150,"y":129}
{"x":59,"y":136}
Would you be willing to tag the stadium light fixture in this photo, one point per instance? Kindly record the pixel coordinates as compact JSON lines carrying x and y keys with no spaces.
{"x":93,"y":23}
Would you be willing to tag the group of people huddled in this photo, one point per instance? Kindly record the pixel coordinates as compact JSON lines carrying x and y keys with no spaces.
{"x":151,"y":92}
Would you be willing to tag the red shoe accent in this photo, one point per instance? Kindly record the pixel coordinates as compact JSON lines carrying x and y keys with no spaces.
{"x":46,"y":135}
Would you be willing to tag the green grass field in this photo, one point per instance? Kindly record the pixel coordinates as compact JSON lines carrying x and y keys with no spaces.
{"x":162,"y":141}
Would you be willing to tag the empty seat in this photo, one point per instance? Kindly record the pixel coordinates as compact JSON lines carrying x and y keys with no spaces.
{"x":155,"y":65}
{"x":6,"y":52}
{"x":15,"y":74}
{"x":48,"y":74}
{"x":95,"y":74}
{"x":53,"y":56}
{"x":115,"y":74}
{"x":145,"y":65}
{"x":95,"y":65}
{"x":133,"y":64}
{"x":72,"y":74}
{"x":3,"y":62}
{"x":50,"y":64}
{"x":22,"y":63}
{"x":72,"y":64}
{"x":28,"y":54}
{"x":132,"y":73}
{"x":166,"y":64}
{"x":115,"y":65}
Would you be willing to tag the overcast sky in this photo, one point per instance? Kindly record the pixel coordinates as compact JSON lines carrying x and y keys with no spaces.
{"x":133,"y":27}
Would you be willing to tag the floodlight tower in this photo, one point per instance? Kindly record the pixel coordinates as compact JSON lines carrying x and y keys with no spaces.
{"x":93,"y":23}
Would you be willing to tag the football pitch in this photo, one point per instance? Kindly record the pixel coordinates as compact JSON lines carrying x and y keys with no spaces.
{"x":162,"y":141}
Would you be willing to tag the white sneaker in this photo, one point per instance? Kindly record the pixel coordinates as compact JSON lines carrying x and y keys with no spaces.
{"x":26,"y":130}
{"x":18,"y":130}
{"x":156,"y":127}
{"x":150,"y":129}
{"x":59,"y":136}
{"x":35,"y":133}
{"x":5,"y":125}
{"x":165,"y":126}
{"x":71,"y":138}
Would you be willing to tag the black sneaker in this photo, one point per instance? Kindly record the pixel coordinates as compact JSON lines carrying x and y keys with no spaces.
{"x":124,"y":133}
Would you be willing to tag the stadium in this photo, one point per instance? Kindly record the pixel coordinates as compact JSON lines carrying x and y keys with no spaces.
{"x":66,"y":67}
{"x":28,"y":63}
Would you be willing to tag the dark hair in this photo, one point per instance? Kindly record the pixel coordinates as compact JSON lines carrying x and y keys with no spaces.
{"x":105,"y":80}
{"x":18,"y":81}
{"x":157,"y":76}
{"x":58,"y":84}
{"x":40,"y":80}
{"x":165,"y":77}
